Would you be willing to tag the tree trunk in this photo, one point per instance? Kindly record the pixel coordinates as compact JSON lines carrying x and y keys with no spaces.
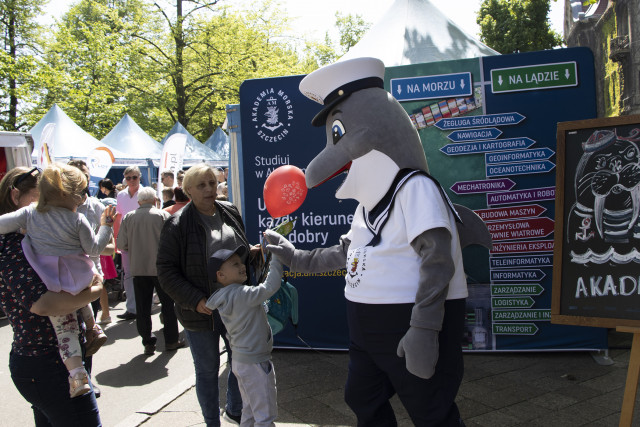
{"x":12,"y":120}
{"x":181,"y":96}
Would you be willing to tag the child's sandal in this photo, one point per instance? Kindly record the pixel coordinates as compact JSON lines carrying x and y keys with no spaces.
{"x":95,"y":339}
{"x":79,"y":384}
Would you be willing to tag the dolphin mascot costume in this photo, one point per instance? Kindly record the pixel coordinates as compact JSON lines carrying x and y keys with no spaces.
{"x":405,"y":283}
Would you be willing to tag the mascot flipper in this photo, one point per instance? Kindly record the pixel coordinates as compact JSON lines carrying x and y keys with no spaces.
{"x":405,"y":283}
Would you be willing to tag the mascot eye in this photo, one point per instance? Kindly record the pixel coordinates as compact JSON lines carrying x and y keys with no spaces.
{"x":337,"y":129}
{"x":601,"y":162}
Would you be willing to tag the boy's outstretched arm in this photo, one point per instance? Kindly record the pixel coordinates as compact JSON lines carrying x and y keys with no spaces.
{"x":256,"y":295}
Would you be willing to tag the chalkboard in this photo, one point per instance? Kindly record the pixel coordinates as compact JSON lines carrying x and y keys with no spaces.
{"x":596,"y":275}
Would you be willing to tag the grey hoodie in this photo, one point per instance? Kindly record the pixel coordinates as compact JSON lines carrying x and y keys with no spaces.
{"x":243,"y":315}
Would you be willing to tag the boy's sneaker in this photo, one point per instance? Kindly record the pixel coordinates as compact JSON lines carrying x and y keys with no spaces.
{"x":79,"y":384}
{"x":232,"y":418}
{"x":95,"y":339}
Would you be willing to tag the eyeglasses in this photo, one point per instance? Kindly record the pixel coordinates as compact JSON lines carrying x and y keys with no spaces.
{"x":129,"y":178}
{"x":25,"y":175}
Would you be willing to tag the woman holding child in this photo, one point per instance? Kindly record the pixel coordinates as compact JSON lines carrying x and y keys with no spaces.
{"x":35,"y":363}
{"x":188,"y":238}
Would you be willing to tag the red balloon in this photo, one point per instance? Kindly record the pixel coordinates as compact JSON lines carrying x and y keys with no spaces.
{"x":284,"y":190}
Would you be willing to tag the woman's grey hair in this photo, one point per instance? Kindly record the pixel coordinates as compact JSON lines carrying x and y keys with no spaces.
{"x":146,"y":194}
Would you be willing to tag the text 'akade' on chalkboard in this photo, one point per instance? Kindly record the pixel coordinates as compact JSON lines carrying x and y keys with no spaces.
{"x":596,"y":275}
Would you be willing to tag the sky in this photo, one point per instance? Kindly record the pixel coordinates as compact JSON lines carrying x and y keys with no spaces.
{"x":315,"y":17}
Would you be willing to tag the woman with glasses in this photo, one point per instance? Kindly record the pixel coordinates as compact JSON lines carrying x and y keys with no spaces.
{"x":35,"y":364}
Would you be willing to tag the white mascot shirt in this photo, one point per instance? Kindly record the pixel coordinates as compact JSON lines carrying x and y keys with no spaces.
{"x":389,"y":273}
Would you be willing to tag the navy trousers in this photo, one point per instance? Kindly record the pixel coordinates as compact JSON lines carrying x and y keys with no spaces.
{"x":376,"y":373}
{"x":43,"y":382}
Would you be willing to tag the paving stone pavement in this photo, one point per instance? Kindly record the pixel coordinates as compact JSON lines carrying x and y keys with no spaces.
{"x":499,"y":389}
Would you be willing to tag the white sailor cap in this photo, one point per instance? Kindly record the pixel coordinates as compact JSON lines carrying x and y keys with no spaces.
{"x":333,"y":83}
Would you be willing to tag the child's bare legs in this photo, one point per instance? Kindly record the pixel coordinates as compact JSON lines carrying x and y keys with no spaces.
{"x":104,"y":300}
{"x":67,"y":330}
{"x":104,"y":305}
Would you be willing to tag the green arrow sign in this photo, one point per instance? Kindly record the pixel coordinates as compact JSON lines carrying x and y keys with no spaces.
{"x":515,"y":315}
{"x":523,"y":302}
{"x":522,"y":289}
{"x":514,"y":329}
{"x":534,"y":77}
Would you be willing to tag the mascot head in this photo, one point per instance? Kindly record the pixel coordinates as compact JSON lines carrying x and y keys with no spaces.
{"x":369,"y":135}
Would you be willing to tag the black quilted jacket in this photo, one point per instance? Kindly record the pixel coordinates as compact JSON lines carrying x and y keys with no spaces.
{"x":182,"y":261}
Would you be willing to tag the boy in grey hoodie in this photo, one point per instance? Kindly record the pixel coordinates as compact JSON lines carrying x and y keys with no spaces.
{"x":249,"y":333}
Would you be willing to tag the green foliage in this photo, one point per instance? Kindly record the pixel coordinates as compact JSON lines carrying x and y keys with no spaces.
{"x":225,"y":50}
{"x":160,"y":63}
{"x":613,"y":84}
{"x":321,"y":53}
{"x":350,"y":27}
{"x":93,"y":62}
{"x":516,"y":25}
{"x":19,"y":66}
{"x":209,"y":54}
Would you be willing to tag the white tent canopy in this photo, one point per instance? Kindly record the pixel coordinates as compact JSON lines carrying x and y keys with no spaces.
{"x":67,"y":139}
{"x":195,"y":152}
{"x":129,"y":138}
{"x":413,"y":32}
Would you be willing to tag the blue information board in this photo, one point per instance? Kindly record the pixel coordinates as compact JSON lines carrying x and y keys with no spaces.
{"x":510,"y":285}
{"x":493,"y":152}
{"x":474,"y":134}
{"x":430,"y":87}
{"x":502,"y":119}
{"x":276,"y":130}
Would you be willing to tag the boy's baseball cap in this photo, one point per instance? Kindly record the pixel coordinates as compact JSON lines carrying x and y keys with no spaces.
{"x":220,"y":256}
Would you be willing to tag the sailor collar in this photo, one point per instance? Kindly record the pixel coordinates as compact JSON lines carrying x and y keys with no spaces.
{"x":379,"y":215}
